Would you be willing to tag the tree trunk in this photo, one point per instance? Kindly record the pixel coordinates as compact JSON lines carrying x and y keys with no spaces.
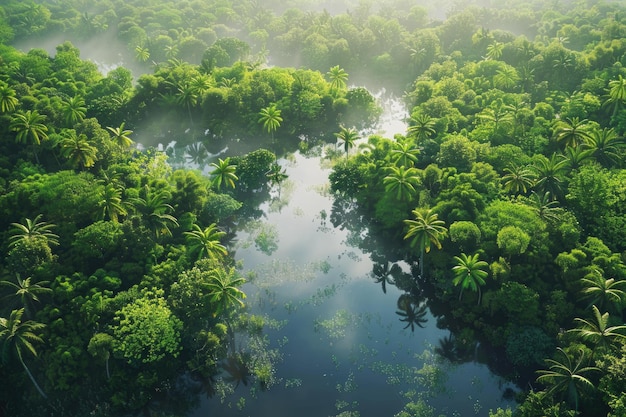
{"x":32,"y":378}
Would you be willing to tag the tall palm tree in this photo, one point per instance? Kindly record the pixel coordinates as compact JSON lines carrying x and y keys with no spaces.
{"x":110,"y":203}
{"x":348,"y":136}
{"x":605,"y":293}
{"x":33,"y":229}
{"x":26,"y":292}
{"x":77,"y":149}
{"x":422,"y":126}
{"x":121,"y":136}
{"x":200,"y":84}
{"x":567,"y":377}
{"x":270,"y":118}
{"x":223,"y":173}
{"x":8,"y":100}
{"x":29,"y":127}
{"x":73,"y":110}
{"x":17,"y":336}
{"x":597,"y":330}
{"x":402,"y":181}
{"x":469,"y":273}
{"x":187,"y":96}
{"x":338,"y":78}
{"x":617,"y":94}
{"x":206,"y":243}
{"x":518,"y":179}
{"x":606,"y":146}
{"x":404,"y":154}
{"x":425,"y":230}
{"x":571,"y":131}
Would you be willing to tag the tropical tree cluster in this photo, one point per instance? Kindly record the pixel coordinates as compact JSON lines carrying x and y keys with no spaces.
{"x":506,"y":192}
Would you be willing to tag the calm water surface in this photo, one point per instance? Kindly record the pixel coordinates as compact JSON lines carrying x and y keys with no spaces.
{"x":343,"y":346}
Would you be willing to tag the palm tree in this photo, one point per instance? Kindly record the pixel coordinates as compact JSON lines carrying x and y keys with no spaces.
{"x":605,"y":146}
{"x":404,"y":154}
{"x":571,"y":132}
{"x":469,"y":273}
{"x":29,"y":127}
{"x":270,"y":118}
{"x":425,"y":230}
{"x":78,"y":150}
{"x":206,"y":242}
{"x":187,"y":96}
{"x":506,"y":78}
{"x":411,"y":312}
{"x":120,"y":136}
{"x":498,"y":116}
{"x":518,"y":179}
{"x":494,"y":50}
{"x":617,"y":94}
{"x":200,"y":84}
{"x":18,"y":336}
{"x":110,"y":203}
{"x":401,"y":181}
{"x":73,"y":110}
{"x":605,"y":293}
{"x":550,"y":174}
{"x":223,"y":173}
{"x":597,"y":331}
{"x":422,"y":126}
{"x":8,"y":101}
{"x":223,"y":290}
{"x":576,"y":156}
{"x":567,"y":377}
{"x":26,"y":292}
{"x":155,"y":212}
{"x":141,"y":53}
{"x":545,"y":206}
{"x":31,"y":230}
{"x":338,"y":78}
{"x":348,"y":136}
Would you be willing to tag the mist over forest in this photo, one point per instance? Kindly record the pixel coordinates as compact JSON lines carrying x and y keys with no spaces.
{"x":145,"y":145}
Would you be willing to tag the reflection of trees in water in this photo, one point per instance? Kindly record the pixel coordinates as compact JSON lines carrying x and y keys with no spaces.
{"x":412,"y":311}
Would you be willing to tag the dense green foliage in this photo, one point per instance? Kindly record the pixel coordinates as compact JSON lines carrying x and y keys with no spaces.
{"x":509,"y":183}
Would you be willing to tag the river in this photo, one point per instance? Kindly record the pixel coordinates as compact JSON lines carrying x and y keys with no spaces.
{"x":341,"y":348}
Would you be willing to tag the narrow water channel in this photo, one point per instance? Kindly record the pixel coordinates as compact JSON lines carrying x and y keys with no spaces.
{"x":343,"y":349}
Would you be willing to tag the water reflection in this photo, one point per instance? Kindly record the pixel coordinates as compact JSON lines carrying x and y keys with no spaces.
{"x":356,"y":335}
